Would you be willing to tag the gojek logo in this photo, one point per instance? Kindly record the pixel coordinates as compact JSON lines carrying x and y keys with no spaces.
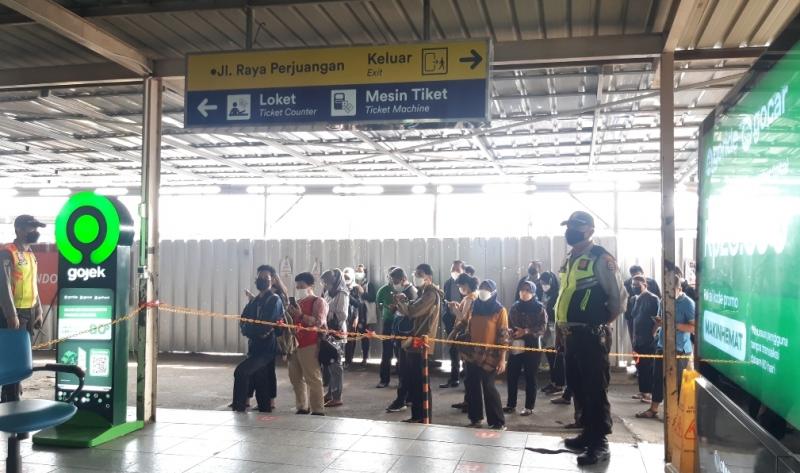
{"x":87,"y":232}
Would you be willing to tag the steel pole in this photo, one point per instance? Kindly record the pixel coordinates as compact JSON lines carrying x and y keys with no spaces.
{"x":147,"y":334}
{"x":667,"y":97}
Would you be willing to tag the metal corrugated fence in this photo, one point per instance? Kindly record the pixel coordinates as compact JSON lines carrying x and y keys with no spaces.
{"x":213,"y":274}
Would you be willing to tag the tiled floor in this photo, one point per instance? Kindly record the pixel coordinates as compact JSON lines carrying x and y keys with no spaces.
{"x":224,"y":442}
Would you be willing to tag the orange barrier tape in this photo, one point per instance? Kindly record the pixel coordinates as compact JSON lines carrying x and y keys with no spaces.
{"x":417,"y":342}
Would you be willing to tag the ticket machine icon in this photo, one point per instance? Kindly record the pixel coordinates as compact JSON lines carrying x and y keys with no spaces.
{"x":343,"y":103}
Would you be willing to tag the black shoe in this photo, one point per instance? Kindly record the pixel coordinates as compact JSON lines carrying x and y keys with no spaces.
{"x":459,"y":405}
{"x":444,"y":385}
{"x":596,"y":453}
{"x":321,"y":414}
{"x":413,"y":421}
{"x":509,"y":409}
{"x":302,"y":412}
{"x":475,"y":425}
{"x":382,"y":385}
{"x":574,"y":426}
{"x":577,"y":444}
{"x":500,"y":427}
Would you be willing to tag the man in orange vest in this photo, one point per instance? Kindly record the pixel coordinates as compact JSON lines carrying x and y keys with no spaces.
{"x":19,"y":292}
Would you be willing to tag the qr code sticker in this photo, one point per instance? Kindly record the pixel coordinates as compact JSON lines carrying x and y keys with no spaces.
{"x":99,"y":361}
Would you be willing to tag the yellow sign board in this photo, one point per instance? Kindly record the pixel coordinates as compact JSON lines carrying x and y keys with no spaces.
{"x":419,"y":62}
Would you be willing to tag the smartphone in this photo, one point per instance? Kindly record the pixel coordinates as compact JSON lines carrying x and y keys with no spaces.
{"x":292,"y":302}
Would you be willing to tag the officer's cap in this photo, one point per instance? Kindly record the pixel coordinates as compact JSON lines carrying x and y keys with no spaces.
{"x":579,"y":218}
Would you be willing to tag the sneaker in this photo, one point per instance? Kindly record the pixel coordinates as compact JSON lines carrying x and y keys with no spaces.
{"x":475,"y":425}
{"x":302,"y":412}
{"x":500,"y":427}
{"x":525,"y":412}
{"x":548,"y":389}
{"x":557,"y":391}
{"x":382,"y":385}
{"x":509,"y":409}
{"x":413,"y":421}
{"x":561,"y":401}
{"x":333,"y":403}
{"x":459,"y":405}
{"x":321,"y":414}
{"x":396,"y":407}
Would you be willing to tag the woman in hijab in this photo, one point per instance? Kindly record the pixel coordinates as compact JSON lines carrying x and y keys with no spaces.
{"x":527,"y":321}
{"x":488,"y":324}
{"x":338,"y":298}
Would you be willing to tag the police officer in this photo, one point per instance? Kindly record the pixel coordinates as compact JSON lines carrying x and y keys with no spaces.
{"x":592,"y":296}
{"x":19,"y":292}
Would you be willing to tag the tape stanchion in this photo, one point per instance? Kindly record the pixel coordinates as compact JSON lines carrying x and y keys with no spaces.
{"x":350,"y":335}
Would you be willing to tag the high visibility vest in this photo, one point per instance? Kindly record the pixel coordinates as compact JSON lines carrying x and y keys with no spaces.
{"x":581,"y":299}
{"x":24,"y":273}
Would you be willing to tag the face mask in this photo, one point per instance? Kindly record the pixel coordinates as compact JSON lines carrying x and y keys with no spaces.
{"x":484,"y":295}
{"x":525,"y":296}
{"x":463,"y":291}
{"x":32,"y":237}
{"x":455,"y":275}
{"x":533,"y":273}
{"x":398,"y":287}
{"x":546,"y":287}
{"x":261,"y":285}
{"x":418,"y":281}
{"x":637,"y":290}
{"x":307,"y":292}
{"x":360,"y":276}
{"x":573,"y":236}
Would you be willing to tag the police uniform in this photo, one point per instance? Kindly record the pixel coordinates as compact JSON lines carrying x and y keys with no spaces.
{"x":19,"y":292}
{"x":592,"y":295}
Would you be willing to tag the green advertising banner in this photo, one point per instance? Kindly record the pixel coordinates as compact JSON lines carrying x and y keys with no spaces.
{"x":750,"y":240}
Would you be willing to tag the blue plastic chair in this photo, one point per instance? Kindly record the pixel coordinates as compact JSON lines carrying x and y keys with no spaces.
{"x":21,"y":417}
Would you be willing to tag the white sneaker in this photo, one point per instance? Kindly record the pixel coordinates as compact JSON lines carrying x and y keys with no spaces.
{"x":525,"y":412}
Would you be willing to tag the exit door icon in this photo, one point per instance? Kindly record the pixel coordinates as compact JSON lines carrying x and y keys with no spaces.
{"x":434,"y":61}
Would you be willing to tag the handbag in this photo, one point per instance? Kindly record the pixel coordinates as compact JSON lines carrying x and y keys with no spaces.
{"x":328,"y":353}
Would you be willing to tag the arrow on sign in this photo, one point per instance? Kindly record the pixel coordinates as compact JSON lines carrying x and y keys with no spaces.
{"x":204,"y":107}
{"x":475,"y":59}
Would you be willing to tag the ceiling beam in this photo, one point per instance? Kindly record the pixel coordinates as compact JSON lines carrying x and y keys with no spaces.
{"x":63,"y":21}
{"x":580,"y":49}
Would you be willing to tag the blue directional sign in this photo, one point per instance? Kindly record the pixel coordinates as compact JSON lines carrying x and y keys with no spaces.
{"x":431,"y":82}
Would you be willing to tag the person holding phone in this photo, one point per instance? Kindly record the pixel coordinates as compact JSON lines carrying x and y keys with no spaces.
{"x":304,"y":369}
{"x":527,"y":322}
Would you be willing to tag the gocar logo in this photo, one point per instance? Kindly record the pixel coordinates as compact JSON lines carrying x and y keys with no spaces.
{"x":87,"y":228}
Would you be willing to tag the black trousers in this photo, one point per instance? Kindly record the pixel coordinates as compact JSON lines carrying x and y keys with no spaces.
{"x":528,"y":362}
{"x":455,"y":364}
{"x":414,"y":380}
{"x":588,"y":375}
{"x":644,"y":368}
{"x":387,"y":354}
{"x":268,"y":372}
{"x":658,"y":376}
{"x":481,"y":392}
{"x":403,"y":378}
{"x":245,"y":374}
{"x":557,"y":372}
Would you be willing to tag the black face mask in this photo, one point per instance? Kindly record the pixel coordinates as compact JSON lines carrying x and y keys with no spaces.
{"x":261,"y":284}
{"x":573,"y":236}
{"x":637,"y":290}
{"x":533,"y":273}
{"x":32,"y":237}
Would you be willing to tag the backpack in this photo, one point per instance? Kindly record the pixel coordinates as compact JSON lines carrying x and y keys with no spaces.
{"x":287,"y":341}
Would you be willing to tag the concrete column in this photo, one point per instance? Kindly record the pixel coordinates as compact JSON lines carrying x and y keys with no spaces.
{"x":667,"y":97}
{"x":147,"y":343}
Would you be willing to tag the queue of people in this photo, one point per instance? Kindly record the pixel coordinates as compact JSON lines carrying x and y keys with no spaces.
{"x":570,"y":312}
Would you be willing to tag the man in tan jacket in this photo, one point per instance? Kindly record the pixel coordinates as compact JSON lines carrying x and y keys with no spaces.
{"x":424,"y":312}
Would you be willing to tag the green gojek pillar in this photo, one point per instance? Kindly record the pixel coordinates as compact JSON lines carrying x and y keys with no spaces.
{"x":94,"y":235}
